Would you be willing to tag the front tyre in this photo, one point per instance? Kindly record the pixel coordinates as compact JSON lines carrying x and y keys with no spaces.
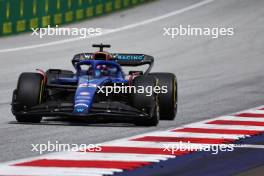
{"x":146,"y":102}
{"x":29,"y":93}
{"x":167,"y":101}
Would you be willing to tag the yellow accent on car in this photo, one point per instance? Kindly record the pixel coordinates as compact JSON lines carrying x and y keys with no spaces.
{"x":41,"y":91}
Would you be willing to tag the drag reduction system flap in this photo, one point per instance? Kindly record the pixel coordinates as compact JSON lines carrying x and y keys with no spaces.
{"x":122,"y":59}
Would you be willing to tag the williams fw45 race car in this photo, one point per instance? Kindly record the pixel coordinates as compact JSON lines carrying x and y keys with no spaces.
{"x":99,"y":88}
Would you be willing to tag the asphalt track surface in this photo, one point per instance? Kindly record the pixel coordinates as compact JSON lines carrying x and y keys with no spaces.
{"x":215,"y":76}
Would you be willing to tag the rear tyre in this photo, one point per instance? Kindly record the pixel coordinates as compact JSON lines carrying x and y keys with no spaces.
{"x":167,"y":101}
{"x":146,"y":102}
{"x":29,"y":93}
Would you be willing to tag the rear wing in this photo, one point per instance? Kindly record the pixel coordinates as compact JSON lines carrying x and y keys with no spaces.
{"x":122,"y":59}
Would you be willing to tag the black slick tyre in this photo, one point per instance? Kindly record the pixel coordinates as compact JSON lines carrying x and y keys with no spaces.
{"x":167,"y":101}
{"x":29,"y":93}
{"x":147,"y":101}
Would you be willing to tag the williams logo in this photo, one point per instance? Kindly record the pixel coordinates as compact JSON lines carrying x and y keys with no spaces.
{"x":80,"y":109}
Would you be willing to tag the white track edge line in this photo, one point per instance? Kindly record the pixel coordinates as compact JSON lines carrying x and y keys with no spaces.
{"x":130,"y":26}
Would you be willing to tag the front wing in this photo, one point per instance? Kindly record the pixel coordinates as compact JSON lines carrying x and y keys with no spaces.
{"x":101,"y":109}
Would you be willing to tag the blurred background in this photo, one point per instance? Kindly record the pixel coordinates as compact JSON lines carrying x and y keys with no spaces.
{"x":21,"y":15}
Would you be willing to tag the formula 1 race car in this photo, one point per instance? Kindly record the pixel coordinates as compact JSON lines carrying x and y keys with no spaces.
{"x":98,"y":88}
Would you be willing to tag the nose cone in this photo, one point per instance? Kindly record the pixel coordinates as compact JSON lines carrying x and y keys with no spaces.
{"x":81,"y":108}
